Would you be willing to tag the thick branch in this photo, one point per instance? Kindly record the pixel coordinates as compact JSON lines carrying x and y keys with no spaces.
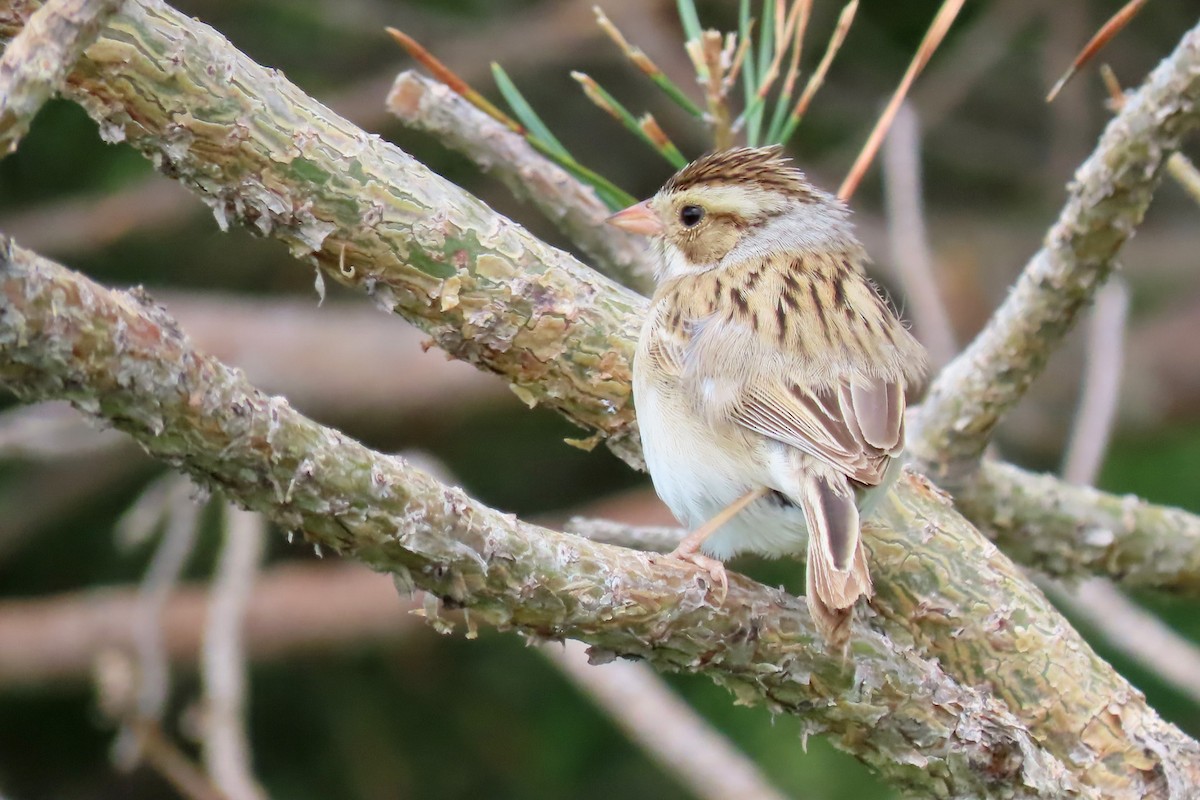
{"x":251,"y":142}
{"x":941,"y":587}
{"x":1077,"y":530}
{"x":261,"y":152}
{"x":1110,"y":194}
{"x":429,"y":106}
{"x":36,"y":62}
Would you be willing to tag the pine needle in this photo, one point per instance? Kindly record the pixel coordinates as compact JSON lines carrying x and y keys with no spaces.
{"x":520,"y":106}
{"x":613,"y":107}
{"x":643,"y":62}
{"x":449,"y":77}
{"x":1116,"y":23}
{"x":817,"y":79}
{"x":933,"y":38}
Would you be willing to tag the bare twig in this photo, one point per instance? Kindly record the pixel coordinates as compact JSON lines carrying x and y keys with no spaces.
{"x":1136,"y":633}
{"x":173,"y":764}
{"x":71,"y":225}
{"x":1115,"y":24}
{"x":817,"y":79}
{"x":909,"y":242}
{"x":425,"y":105}
{"x":293,"y":608}
{"x":51,"y":431}
{"x":35,"y":64}
{"x":933,"y":38}
{"x":1108,"y":198}
{"x":664,"y":726}
{"x":166,"y":499}
{"x":639,"y":537}
{"x":223,"y":669}
{"x":1101,"y":387}
{"x":1179,"y":166}
{"x":1185,"y":174}
{"x":41,"y":494}
{"x":116,"y":692}
{"x":159,"y":582}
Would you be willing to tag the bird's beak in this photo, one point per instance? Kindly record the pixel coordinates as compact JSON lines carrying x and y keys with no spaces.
{"x":639,"y":218}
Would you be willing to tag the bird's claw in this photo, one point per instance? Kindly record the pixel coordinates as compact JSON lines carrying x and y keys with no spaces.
{"x":714,"y":568}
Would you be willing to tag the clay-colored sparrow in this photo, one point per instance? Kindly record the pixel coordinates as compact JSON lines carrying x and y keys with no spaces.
{"x":770,"y":375}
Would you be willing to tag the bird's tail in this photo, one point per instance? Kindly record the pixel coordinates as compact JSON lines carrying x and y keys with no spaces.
{"x":837,"y":563}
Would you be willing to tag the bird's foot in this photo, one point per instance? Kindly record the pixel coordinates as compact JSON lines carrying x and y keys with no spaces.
{"x":713,"y":567}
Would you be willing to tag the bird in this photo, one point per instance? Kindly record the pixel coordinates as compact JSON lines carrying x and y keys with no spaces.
{"x":770,"y":374}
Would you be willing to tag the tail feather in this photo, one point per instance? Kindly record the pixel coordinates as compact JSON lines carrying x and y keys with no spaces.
{"x":837,"y":572}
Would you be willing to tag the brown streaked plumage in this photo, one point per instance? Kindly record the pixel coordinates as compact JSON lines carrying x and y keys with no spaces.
{"x":769,"y":372}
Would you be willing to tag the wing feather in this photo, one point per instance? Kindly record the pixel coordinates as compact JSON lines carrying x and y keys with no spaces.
{"x":853,"y":428}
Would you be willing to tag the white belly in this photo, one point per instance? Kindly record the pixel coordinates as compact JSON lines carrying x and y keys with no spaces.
{"x":697,"y":475}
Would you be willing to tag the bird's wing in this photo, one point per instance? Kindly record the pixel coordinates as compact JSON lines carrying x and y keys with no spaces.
{"x":853,"y":427}
{"x":852,"y":424}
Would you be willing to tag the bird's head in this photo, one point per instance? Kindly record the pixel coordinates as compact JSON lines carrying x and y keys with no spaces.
{"x":738,"y":204}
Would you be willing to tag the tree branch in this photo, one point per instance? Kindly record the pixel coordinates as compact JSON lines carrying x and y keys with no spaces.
{"x":665,"y":726}
{"x":294,"y":608}
{"x":225,"y":745}
{"x":559,"y":333}
{"x":434,"y":108}
{"x":259,"y":151}
{"x":1076,"y":530}
{"x":1108,"y":197}
{"x":36,"y":62}
{"x":941,"y":587}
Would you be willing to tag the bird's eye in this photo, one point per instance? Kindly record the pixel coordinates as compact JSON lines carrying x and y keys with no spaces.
{"x":690,"y":216}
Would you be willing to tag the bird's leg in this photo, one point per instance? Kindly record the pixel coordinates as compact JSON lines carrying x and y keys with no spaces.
{"x":688,"y":548}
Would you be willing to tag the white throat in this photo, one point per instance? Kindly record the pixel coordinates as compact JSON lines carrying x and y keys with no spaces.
{"x":673,"y":264}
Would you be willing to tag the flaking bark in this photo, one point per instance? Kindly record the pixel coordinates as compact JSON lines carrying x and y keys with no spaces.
{"x":949,"y":593}
{"x":434,"y":108}
{"x":260,"y":151}
{"x":36,"y":63}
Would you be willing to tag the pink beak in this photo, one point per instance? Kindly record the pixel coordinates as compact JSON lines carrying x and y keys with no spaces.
{"x":639,"y":218}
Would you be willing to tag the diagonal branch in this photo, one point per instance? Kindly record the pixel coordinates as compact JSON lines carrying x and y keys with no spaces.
{"x":943,"y":590}
{"x":1107,"y":199}
{"x":259,"y":151}
{"x":429,"y":106}
{"x":36,"y":63}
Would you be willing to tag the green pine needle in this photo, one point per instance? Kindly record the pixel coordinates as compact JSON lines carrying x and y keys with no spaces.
{"x":690,"y":19}
{"x":525,"y":113}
